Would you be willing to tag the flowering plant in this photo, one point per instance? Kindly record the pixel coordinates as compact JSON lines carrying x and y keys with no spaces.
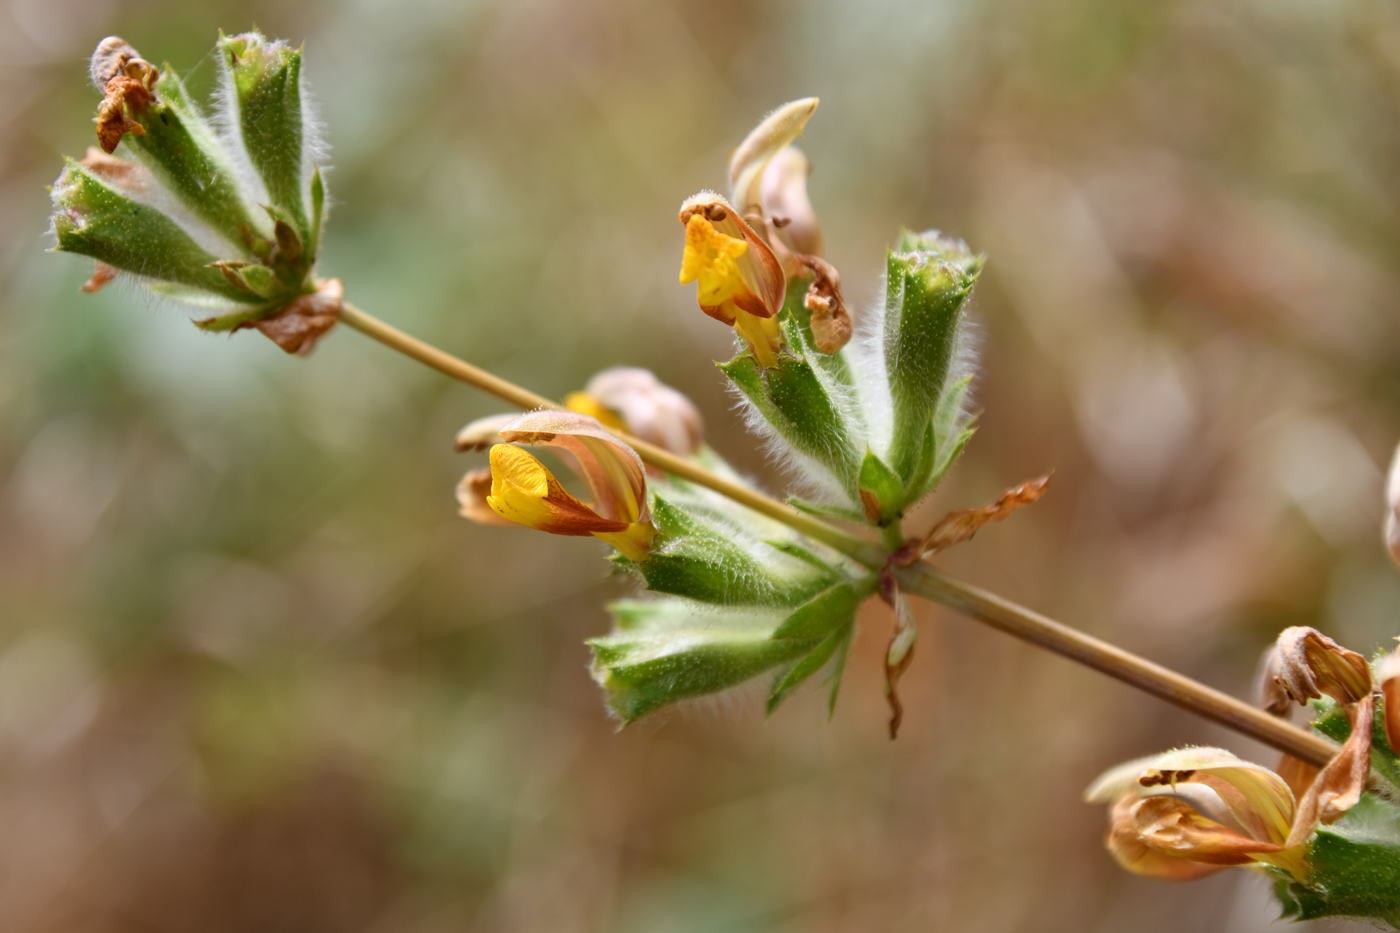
{"x":868,"y":412}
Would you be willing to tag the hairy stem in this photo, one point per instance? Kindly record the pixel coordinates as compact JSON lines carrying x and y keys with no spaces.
{"x":921,"y":579}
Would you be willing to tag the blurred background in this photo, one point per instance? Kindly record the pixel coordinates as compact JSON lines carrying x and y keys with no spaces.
{"x":255,"y":674}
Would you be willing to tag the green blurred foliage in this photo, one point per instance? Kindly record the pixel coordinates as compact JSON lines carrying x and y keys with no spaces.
{"x":256,"y":674}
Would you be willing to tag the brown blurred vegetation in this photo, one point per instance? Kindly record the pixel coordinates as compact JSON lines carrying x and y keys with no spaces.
{"x":256,"y":675}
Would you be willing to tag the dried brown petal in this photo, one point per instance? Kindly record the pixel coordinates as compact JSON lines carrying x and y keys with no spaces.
{"x":831,"y":322}
{"x":1268,"y":692}
{"x":957,"y":527}
{"x":101,"y":275}
{"x":1128,"y":849}
{"x":114,"y":57}
{"x":650,"y":409}
{"x":1311,"y":664}
{"x":1392,"y":508}
{"x":112,"y":122}
{"x":471,"y":496}
{"x":1338,"y":786}
{"x":305,"y":320}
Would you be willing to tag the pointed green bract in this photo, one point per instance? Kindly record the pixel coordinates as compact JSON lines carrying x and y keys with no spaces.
{"x":182,"y":152}
{"x":925,"y":299}
{"x":815,"y":660}
{"x":708,"y":560}
{"x":823,"y":613}
{"x":262,"y":86}
{"x":1354,"y":874}
{"x":804,"y":411}
{"x":94,"y":219}
{"x":671,"y":651}
{"x":881,"y":490}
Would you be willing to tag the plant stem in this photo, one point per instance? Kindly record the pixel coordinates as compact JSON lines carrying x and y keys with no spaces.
{"x":864,"y":551}
{"x":921,"y":579}
{"x":924,"y":580}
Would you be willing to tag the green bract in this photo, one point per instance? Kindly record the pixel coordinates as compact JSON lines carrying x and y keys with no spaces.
{"x":228,"y":220}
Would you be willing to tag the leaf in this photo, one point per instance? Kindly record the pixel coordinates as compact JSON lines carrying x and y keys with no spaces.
{"x":803,"y":414}
{"x":262,"y":83}
{"x":925,"y":299}
{"x":822,"y":614}
{"x":708,"y":560}
{"x":182,"y":152}
{"x":1351,"y":877}
{"x":811,"y":664}
{"x":671,"y":650}
{"x":94,"y":219}
{"x":881,"y":490}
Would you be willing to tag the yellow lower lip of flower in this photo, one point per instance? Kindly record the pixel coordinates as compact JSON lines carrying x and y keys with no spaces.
{"x":525,"y":492}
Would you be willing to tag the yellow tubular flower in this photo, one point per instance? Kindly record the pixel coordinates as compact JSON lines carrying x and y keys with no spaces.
{"x":738,"y":278}
{"x":523,"y":491}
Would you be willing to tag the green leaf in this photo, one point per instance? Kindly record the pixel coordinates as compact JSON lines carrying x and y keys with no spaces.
{"x":318,"y":210}
{"x":672,"y":650}
{"x":838,"y":671}
{"x":881,"y":490}
{"x":1351,"y":877}
{"x":262,"y":82}
{"x":183,"y":153}
{"x":925,"y":300}
{"x":804,"y":413}
{"x":823,"y":510}
{"x":94,"y":219}
{"x":1332,"y":722}
{"x":809,"y":665}
{"x":702,"y":557}
{"x":824,"y":613}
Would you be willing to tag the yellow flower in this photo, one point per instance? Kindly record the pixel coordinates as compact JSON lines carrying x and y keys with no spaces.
{"x":739,"y":279}
{"x":523,"y":491}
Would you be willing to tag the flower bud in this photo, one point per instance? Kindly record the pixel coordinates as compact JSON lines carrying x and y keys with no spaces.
{"x":1388,"y":676}
{"x":1392,"y":508}
{"x":751,"y":158}
{"x":649,"y":409}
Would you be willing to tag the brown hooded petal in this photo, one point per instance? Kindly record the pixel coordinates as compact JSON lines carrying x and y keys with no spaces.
{"x":612,"y":469}
{"x":1311,"y":664}
{"x":793,"y":227}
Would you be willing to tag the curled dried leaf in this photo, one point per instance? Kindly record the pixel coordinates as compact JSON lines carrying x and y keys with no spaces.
{"x":101,"y":275}
{"x":831,"y":322}
{"x":1311,"y":664}
{"x":957,"y":527}
{"x":306,"y":319}
{"x":123,"y":94}
{"x":900,"y":652}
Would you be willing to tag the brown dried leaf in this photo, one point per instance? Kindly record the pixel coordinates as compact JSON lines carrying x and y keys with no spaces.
{"x":1311,"y":664}
{"x":101,"y":275}
{"x":112,"y":122}
{"x":900,"y":653}
{"x":831,"y":322}
{"x":305,"y":320}
{"x":957,"y":527}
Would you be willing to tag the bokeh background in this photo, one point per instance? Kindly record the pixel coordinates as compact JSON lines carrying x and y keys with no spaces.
{"x":255,"y":674}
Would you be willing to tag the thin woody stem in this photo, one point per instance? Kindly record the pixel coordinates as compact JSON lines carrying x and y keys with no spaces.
{"x":921,"y":579}
{"x":864,"y":551}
